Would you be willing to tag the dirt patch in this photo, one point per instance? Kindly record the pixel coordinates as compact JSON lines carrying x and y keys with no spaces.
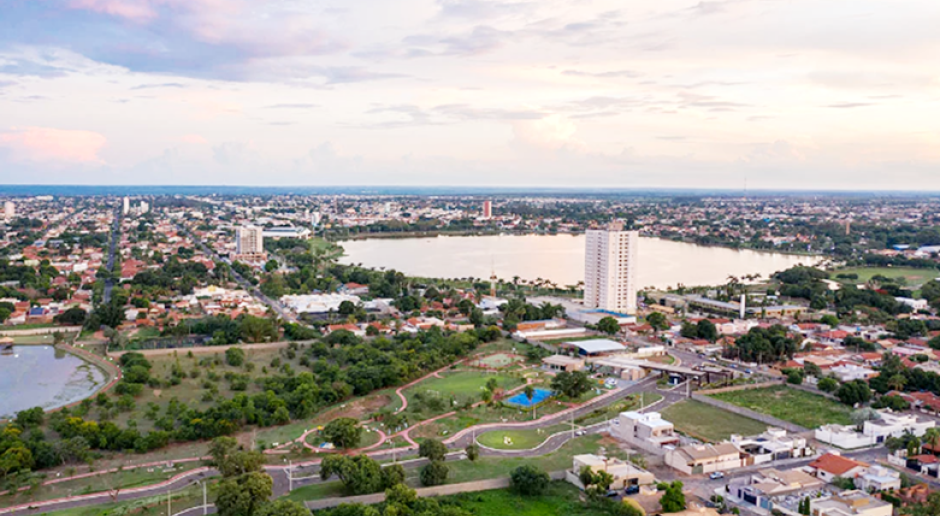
{"x":426,"y":431}
{"x":359,"y":409}
{"x":157,"y":393}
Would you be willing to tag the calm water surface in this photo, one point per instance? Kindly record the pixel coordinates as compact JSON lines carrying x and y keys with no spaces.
{"x":559,"y":258}
{"x":46,"y":377}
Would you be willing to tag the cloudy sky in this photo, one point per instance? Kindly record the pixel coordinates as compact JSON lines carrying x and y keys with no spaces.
{"x":806,"y":94}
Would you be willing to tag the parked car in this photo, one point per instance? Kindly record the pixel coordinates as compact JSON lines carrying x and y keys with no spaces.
{"x":629,"y":490}
{"x":716,"y":475}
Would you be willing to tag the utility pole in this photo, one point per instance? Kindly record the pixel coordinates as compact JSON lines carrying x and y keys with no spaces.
{"x":167,"y":501}
{"x":290,"y":476}
{"x":205,"y":500}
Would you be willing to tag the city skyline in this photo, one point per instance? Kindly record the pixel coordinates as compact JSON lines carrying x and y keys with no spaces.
{"x":714,"y":94}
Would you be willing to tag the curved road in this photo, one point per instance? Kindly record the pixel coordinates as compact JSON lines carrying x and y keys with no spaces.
{"x":310,"y":469}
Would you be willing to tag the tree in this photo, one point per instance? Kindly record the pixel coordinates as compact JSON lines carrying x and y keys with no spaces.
{"x":235,"y":356}
{"x":608,"y":325}
{"x":794,"y":376}
{"x":854,"y":392}
{"x":360,"y":474}
{"x":529,"y":392}
{"x":571,"y":384}
{"x":283,"y":508}
{"x":473,"y":452}
{"x":343,"y":432}
{"x":243,"y":495}
{"x":529,"y":480}
{"x":586,"y":476}
{"x":347,"y":308}
{"x":657,"y":321}
{"x":707,"y":330}
{"x":231,"y":459}
{"x":897,"y":382}
{"x":434,"y":474}
{"x":271,"y":265}
{"x":432,"y":449}
{"x":73,"y":316}
{"x":932,"y":437}
{"x":392,"y":475}
{"x":673,"y":500}
{"x":828,"y":384}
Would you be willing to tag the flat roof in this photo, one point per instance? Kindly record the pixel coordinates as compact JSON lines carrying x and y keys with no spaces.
{"x":596,"y":345}
{"x":562,"y":360}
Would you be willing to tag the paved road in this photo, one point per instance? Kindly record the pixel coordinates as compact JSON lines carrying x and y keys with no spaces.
{"x":115,"y":241}
{"x":278,"y":308}
{"x":466,"y":438}
{"x":309,"y":471}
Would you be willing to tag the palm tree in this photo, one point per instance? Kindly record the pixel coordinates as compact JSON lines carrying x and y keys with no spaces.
{"x":897,"y":382}
{"x":529,"y":394}
{"x":932,"y":437}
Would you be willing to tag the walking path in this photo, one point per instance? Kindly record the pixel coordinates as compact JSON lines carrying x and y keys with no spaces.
{"x":280,"y":472}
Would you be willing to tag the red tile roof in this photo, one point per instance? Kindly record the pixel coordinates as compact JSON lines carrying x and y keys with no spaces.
{"x":836,"y":464}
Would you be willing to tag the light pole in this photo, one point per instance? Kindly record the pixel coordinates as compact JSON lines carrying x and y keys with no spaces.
{"x":205,"y":500}
{"x":290,"y":476}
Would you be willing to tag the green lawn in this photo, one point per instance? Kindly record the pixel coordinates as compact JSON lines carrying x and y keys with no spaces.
{"x":493,"y":467}
{"x":520,"y":439}
{"x":316,"y":491}
{"x":152,"y":506}
{"x":124,"y":479}
{"x":462,"y":385}
{"x":914,"y":277}
{"x":560,"y":498}
{"x":709,"y":423}
{"x":631,"y":402}
{"x":799,"y":407}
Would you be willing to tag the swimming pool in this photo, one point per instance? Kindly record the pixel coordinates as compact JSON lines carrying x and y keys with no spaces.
{"x":520,"y":400}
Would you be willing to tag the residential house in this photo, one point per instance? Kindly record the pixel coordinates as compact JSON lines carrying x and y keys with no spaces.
{"x":875,"y":431}
{"x":648,"y":431}
{"x":878,"y":478}
{"x":831,"y":466}
{"x":760,"y":489}
{"x":850,"y":503}
{"x":625,"y":474}
{"x":773,"y":444}
{"x":694,"y":459}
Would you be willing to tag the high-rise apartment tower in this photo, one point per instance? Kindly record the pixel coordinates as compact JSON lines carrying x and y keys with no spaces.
{"x":610,"y":269}
{"x":249,"y":240}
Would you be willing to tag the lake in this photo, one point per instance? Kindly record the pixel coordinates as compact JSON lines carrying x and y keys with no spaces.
{"x":43,"y":376}
{"x":559,"y":258}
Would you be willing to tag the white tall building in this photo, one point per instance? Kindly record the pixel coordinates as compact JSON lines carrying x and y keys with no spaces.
{"x":9,"y":210}
{"x":249,"y":240}
{"x":610,"y":269}
{"x":144,"y":207}
{"x":127,"y":205}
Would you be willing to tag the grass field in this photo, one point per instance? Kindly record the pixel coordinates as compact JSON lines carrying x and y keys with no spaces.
{"x":559,"y":498}
{"x":799,"y":407}
{"x":709,"y":423}
{"x":913,"y":277}
{"x":464,"y":385}
{"x":520,"y":439}
{"x":124,"y":480}
{"x":153,"y":506}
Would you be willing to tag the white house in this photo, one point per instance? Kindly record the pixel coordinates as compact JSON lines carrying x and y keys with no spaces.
{"x":874,"y":432}
{"x":774,"y":444}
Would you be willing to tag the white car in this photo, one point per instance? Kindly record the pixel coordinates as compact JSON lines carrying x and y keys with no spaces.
{"x":716,"y":475}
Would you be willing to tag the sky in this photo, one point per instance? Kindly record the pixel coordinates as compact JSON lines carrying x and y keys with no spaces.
{"x":763,"y":94}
